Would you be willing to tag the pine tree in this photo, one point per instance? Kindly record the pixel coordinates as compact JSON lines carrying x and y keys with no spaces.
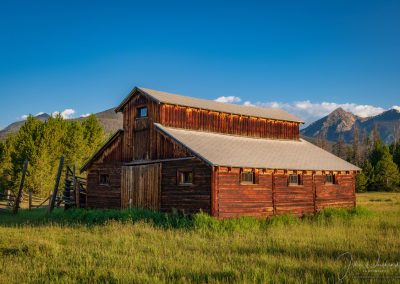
{"x":366,"y":146}
{"x":396,"y":154}
{"x":361,"y":182}
{"x":377,"y":152}
{"x":368,"y":172}
{"x":386,"y":173}
{"x":375,"y":134}
{"x":340,"y":148}
{"x":356,"y":146}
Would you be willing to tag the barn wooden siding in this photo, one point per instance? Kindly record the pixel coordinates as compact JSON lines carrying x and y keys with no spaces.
{"x":271,"y":195}
{"x":140,"y":186}
{"x":139,"y":139}
{"x":205,"y":120}
{"x":235,"y":199}
{"x":187,"y":198}
{"x":166,"y":148}
{"x":341,"y":194}
{"x":109,"y":162}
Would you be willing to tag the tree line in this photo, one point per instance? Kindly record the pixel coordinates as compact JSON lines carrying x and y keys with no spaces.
{"x":42,"y":144}
{"x":380,"y":163}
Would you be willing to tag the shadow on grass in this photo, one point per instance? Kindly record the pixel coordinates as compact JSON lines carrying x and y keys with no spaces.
{"x":200,"y":221}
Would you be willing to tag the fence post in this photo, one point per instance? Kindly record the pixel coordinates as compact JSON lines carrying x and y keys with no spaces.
{"x":21,"y":187}
{"x":76,"y":189}
{"x":30,"y":199}
{"x":55,"y":191}
{"x":8,"y":198}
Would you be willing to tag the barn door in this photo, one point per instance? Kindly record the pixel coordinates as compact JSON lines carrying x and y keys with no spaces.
{"x":141,"y":186}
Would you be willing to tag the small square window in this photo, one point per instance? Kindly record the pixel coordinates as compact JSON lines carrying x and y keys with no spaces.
{"x":329,"y":179}
{"x":293,"y":180}
{"x":141,"y":112}
{"x":185,"y":177}
{"x":104,"y":179}
{"x":247,"y":178}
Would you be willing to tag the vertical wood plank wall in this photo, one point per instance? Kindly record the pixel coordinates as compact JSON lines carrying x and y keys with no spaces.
{"x":204,"y":120}
{"x":341,"y":194}
{"x":186,"y":198}
{"x":272,"y":194}
{"x":140,"y":186}
{"x":106,"y":196}
{"x":235,"y":199}
{"x":139,"y":139}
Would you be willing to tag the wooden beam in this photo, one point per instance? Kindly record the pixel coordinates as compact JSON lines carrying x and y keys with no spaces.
{"x":30,"y":199}
{"x":55,"y":191}
{"x":21,"y":187}
{"x":214,"y":192}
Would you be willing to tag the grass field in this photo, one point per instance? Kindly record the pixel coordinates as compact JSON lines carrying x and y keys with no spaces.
{"x":360,"y":245}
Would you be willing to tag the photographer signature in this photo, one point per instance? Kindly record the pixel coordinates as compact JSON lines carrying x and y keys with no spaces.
{"x":376,"y":269}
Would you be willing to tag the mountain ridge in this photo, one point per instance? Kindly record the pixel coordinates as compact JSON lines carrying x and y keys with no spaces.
{"x":341,"y":123}
{"x":110,"y":121}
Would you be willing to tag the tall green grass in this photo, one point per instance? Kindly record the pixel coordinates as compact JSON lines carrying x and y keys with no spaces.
{"x":142,"y":246}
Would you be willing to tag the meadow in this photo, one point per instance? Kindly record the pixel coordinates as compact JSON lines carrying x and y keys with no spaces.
{"x":360,"y":245}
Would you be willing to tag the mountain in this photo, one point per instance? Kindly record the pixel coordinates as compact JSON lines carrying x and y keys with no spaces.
{"x":15,"y":126}
{"x":110,"y":121}
{"x":342,"y":123}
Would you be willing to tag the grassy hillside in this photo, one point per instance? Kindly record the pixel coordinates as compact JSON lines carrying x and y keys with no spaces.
{"x":141,"y":246}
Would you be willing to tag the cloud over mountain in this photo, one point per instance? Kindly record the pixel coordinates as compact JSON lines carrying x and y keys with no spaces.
{"x":66,"y":113}
{"x":228,"y":99}
{"x":310,"y":111}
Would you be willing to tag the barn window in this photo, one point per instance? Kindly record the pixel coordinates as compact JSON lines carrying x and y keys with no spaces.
{"x":141,"y":112}
{"x":104,"y":179}
{"x":185,"y":177}
{"x":294,"y":180}
{"x":247,"y":178}
{"x":329,"y":179}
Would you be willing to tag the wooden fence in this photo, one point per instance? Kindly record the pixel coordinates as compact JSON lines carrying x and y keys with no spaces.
{"x":73,"y":195}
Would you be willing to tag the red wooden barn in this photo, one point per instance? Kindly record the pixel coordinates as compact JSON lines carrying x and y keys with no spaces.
{"x":227,"y":160}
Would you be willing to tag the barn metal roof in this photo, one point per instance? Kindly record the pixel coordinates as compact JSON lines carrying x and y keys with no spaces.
{"x":238,"y":151}
{"x":167,"y":98}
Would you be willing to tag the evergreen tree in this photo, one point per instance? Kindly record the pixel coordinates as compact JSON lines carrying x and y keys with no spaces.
{"x":375,"y":134}
{"x":349,"y":154}
{"x":396,"y":154}
{"x":340,"y":148}
{"x":386,"y":173}
{"x":361,"y":182}
{"x":356,"y":146}
{"x":368,"y":172}
{"x":377,"y":152}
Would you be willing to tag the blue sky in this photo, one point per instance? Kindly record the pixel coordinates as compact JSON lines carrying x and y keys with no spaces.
{"x":305,"y":56}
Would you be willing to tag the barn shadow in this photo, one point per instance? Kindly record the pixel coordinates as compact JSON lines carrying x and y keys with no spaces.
{"x":93,"y":217}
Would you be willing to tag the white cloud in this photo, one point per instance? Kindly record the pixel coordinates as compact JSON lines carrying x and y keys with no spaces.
{"x":396,"y":108}
{"x":228,"y":99}
{"x":312,"y":111}
{"x":309,"y":111}
{"x":66,"y":114}
{"x":85,"y":115}
{"x":25,"y":116}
